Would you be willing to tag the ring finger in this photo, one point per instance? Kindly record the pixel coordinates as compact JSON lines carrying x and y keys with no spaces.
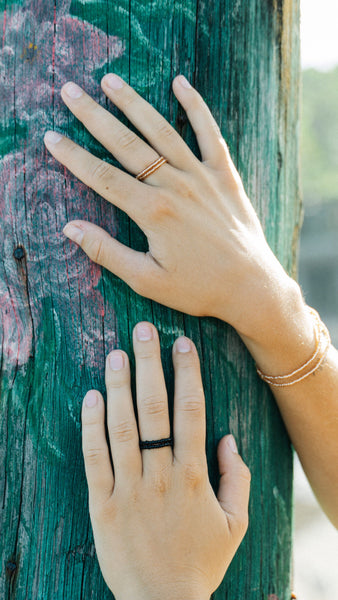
{"x":132,"y":152}
{"x":152,"y":403}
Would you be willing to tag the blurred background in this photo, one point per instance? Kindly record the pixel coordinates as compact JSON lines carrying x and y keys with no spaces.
{"x":315,"y":539}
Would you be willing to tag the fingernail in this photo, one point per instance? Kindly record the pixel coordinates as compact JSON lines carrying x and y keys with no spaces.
{"x":232,"y":444}
{"x":74,"y":233}
{"x":144,"y":332}
{"x":114,"y":81}
{"x":116,"y":361}
{"x":184,"y":82}
{"x":91,"y":399}
{"x":183,"y":344}
{"x":52,"y":137}
{"x":72,"y":90}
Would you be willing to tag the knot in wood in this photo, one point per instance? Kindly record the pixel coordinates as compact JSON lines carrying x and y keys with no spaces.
{"x":10,"y":568}
{"x":19,"y":253}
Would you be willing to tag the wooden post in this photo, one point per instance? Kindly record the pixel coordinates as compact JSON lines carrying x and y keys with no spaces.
{"x":61,"y":314}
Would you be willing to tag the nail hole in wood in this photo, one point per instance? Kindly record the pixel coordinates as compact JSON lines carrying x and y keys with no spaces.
{"x":19,"y":253}
{"x":10,"y":568}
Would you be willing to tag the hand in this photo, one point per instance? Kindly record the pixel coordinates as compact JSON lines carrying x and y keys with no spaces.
{"x":160,"y":532}
{"x":207,"y":251}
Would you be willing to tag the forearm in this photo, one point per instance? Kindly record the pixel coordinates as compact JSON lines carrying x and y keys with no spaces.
{"x":310,"y":413}
{"x":310,"y":407}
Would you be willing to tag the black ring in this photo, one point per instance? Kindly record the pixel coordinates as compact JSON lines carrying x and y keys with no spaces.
{"x":149,"y":444}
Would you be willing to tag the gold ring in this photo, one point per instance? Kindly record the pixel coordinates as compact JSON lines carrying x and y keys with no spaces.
{"x":151,"y":168}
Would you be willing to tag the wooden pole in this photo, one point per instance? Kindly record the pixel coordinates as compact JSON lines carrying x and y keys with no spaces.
{"x":61,"y":314}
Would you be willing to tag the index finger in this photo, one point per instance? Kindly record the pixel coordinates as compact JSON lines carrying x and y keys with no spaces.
{"x":189,"y":405}
{"x":119,"y":188}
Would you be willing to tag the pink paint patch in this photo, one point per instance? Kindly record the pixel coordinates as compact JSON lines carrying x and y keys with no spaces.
{"x":38,"y":195}
{"x":16,"y":332}
{"x":64,"y":47}
{"x":36,"y":201}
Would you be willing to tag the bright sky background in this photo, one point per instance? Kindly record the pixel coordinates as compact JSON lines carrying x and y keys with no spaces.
{"x":319,"y":33}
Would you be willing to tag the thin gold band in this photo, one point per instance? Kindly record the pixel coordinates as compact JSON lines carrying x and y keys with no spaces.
{"x":151,"y":168}
{"x":323,"y":342}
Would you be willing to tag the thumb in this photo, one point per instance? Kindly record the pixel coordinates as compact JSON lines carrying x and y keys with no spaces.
{"x":234,"y":487}
{"x":137,"y":269}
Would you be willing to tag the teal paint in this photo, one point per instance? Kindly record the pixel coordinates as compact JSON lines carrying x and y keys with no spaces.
{"x":61,"y":315}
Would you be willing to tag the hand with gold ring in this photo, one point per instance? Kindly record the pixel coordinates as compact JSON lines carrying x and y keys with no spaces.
{"x":159,"y":530}
{"x":207,"y":251}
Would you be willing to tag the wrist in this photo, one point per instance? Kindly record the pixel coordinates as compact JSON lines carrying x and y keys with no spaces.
{"x":180,"y":596}
{"x":286,"y":337}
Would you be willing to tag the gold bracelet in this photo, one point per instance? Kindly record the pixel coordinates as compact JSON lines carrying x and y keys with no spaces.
{"x":323,"y":341}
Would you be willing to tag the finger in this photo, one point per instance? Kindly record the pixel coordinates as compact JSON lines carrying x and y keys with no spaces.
{"x":234,"y":487}
{"x":111,"y":183}
{"x":213,"y":148}
{"x":137,"y":269}
{"x":152,"y":403}
{"x":98,"y":467}
{"x":189,"y":407}
{"x":155,"y":128}
{"x":122,"y":427}
{"x":132,"y":152}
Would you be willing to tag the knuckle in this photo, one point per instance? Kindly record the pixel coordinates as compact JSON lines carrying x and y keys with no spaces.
{"x":164,"y":129}
{"x":93,"y":455}
{"x":146,"y":353}
{"x":101,"y":171}
{"x":90,"y":420}
{"x":192,"y":404}
{"x":127,"y":139}
{"x":117,"y":380}
{"x":186,"y":360}
{"x":154,"y":405}
{"x":129,"y":97}
{"x":184,"y":186}
{"x":160,"y":481}
{"x":122,"y":432}
{"x":95,"y":249}
{"x":117,"y":383}
{"x":91,"y":110}
{"x":160,"y":209}
{"x":72,"y":148}
{"x":186,"y":190}
{"x":194,"y":475}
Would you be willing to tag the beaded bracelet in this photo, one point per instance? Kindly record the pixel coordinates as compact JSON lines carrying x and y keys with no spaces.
{"x":323,"y":341}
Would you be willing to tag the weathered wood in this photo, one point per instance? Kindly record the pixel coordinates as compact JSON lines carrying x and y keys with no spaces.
{"x":61,"y":314}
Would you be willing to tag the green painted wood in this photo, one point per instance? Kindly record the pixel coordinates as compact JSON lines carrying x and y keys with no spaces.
{"x":61,"y":314}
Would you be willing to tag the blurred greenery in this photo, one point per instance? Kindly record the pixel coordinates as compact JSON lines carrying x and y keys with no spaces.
{"x":319,"y":136}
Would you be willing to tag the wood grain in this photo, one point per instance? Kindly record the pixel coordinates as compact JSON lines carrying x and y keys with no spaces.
{"x":61,"y":314}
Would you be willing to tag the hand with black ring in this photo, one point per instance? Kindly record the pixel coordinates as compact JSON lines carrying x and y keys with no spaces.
{"x":207,"y":252}
{"x":159,"y":530}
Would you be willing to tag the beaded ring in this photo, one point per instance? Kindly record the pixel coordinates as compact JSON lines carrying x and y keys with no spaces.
{"x":149,"y":444}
